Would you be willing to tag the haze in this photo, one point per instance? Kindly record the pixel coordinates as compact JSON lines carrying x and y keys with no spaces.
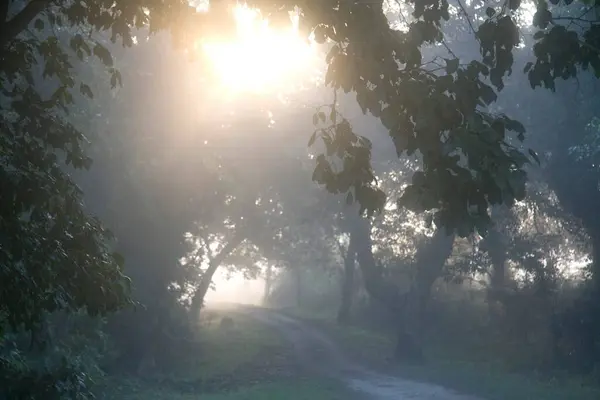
{"x":292,"y":200}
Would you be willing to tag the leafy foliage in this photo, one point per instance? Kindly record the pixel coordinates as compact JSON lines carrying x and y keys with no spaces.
{"x":53,"y":255}
{"x":437,"y":110}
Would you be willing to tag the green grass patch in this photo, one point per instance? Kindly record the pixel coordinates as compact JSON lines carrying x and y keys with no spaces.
{"x":243,"y":357}
{"x":309,"y":389}
{"x":248,"y":344}
{"x":305,"y":389}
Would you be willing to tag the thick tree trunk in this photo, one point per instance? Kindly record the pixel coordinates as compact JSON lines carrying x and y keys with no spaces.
{"x":348,"y":283}
{"x":215,"y":263}
{"x":496,"y":247}
{"x":376,"y":284}
{"x":431,"y":258}
{"x":410,"y":307}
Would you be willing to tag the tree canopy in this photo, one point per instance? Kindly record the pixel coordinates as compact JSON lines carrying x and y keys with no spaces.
{"x":471,"y":157}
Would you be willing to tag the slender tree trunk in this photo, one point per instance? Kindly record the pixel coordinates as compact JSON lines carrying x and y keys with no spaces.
{"x":595,"y":269}
{"x":268,"y":283}
{"x":348,"y":284}
{"x":299,"y":291}
{"x":198,"y":299}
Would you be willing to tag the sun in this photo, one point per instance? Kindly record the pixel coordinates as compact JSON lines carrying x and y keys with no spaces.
{"x":259,"y":58}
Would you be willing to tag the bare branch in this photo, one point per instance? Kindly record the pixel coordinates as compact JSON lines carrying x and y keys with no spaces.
{"x":464,"y":11}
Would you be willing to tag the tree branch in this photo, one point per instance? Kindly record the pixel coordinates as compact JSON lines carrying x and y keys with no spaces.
{"x":464,"y":10}
{"x":20,"y":22}
{"x":198,"y":298}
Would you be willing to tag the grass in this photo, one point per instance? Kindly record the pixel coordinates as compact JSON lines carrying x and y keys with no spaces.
{"x":252,"y":362}
{"x":248,"y":345}
{"x":308,"y":389}
{"x":488,"y":380}
{"x":249,"y":361}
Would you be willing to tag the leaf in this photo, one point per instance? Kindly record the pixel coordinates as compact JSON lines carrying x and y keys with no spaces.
{"x":487,"y":94}
{"x":490,"y":12}
{"x":514,"y":4}
{"x":315,"y":119}
{"x":321,"y":115}
{"x":515,"y":126}
{"x":349,"y":198}
{"x":115,"y":78}
{"x":86,"y":90}
{"x":538,"y":35}
{"x":103,"y":54}
{"x":451,"y":65}
{"x":320,"y":34}
{"x":389,"y":119}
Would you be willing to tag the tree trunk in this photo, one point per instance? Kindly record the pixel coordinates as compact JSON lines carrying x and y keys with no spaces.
{"x":376,"y":284}
{"x":299,"y":291}
{"x":496,"y":247}
{"x":410,"y":307}
{"x":431,"y":258}
{"x":595,"y":268}
{"x":198,"y":299}
{"x":348,"y":283}
{"x":268,"y":283}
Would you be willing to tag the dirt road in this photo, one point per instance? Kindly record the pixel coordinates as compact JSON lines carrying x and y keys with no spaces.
{"x":319,"y":353}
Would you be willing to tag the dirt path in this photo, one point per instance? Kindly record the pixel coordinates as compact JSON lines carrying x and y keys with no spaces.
{"x":319,"y":353}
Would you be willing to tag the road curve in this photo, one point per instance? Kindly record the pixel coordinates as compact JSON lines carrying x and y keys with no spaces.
{"x":319,"y":353}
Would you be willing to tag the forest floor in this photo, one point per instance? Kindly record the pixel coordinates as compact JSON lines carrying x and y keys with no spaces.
{"x":270,"y":355}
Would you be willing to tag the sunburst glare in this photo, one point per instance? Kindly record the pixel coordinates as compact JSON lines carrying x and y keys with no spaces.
{"x":260,"y":58}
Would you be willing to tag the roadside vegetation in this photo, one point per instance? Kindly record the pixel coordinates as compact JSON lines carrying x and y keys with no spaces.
{"x":234,"y":357}
{"x":462,"y":366}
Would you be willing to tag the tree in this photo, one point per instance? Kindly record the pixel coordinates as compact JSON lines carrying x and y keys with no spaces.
{"x":445,"y":117}
{"x":266,"y":193}
{"x":54,"y":255}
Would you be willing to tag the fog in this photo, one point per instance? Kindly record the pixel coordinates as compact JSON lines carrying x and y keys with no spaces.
{"x":236,"y":289}
{"x":429,"y":202}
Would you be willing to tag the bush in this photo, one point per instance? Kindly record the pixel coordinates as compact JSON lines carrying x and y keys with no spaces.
{"x":62,"y":359}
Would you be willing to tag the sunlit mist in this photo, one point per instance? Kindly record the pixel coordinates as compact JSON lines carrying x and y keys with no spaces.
{"x":259,"y":58}
{"x":235,"y":289}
